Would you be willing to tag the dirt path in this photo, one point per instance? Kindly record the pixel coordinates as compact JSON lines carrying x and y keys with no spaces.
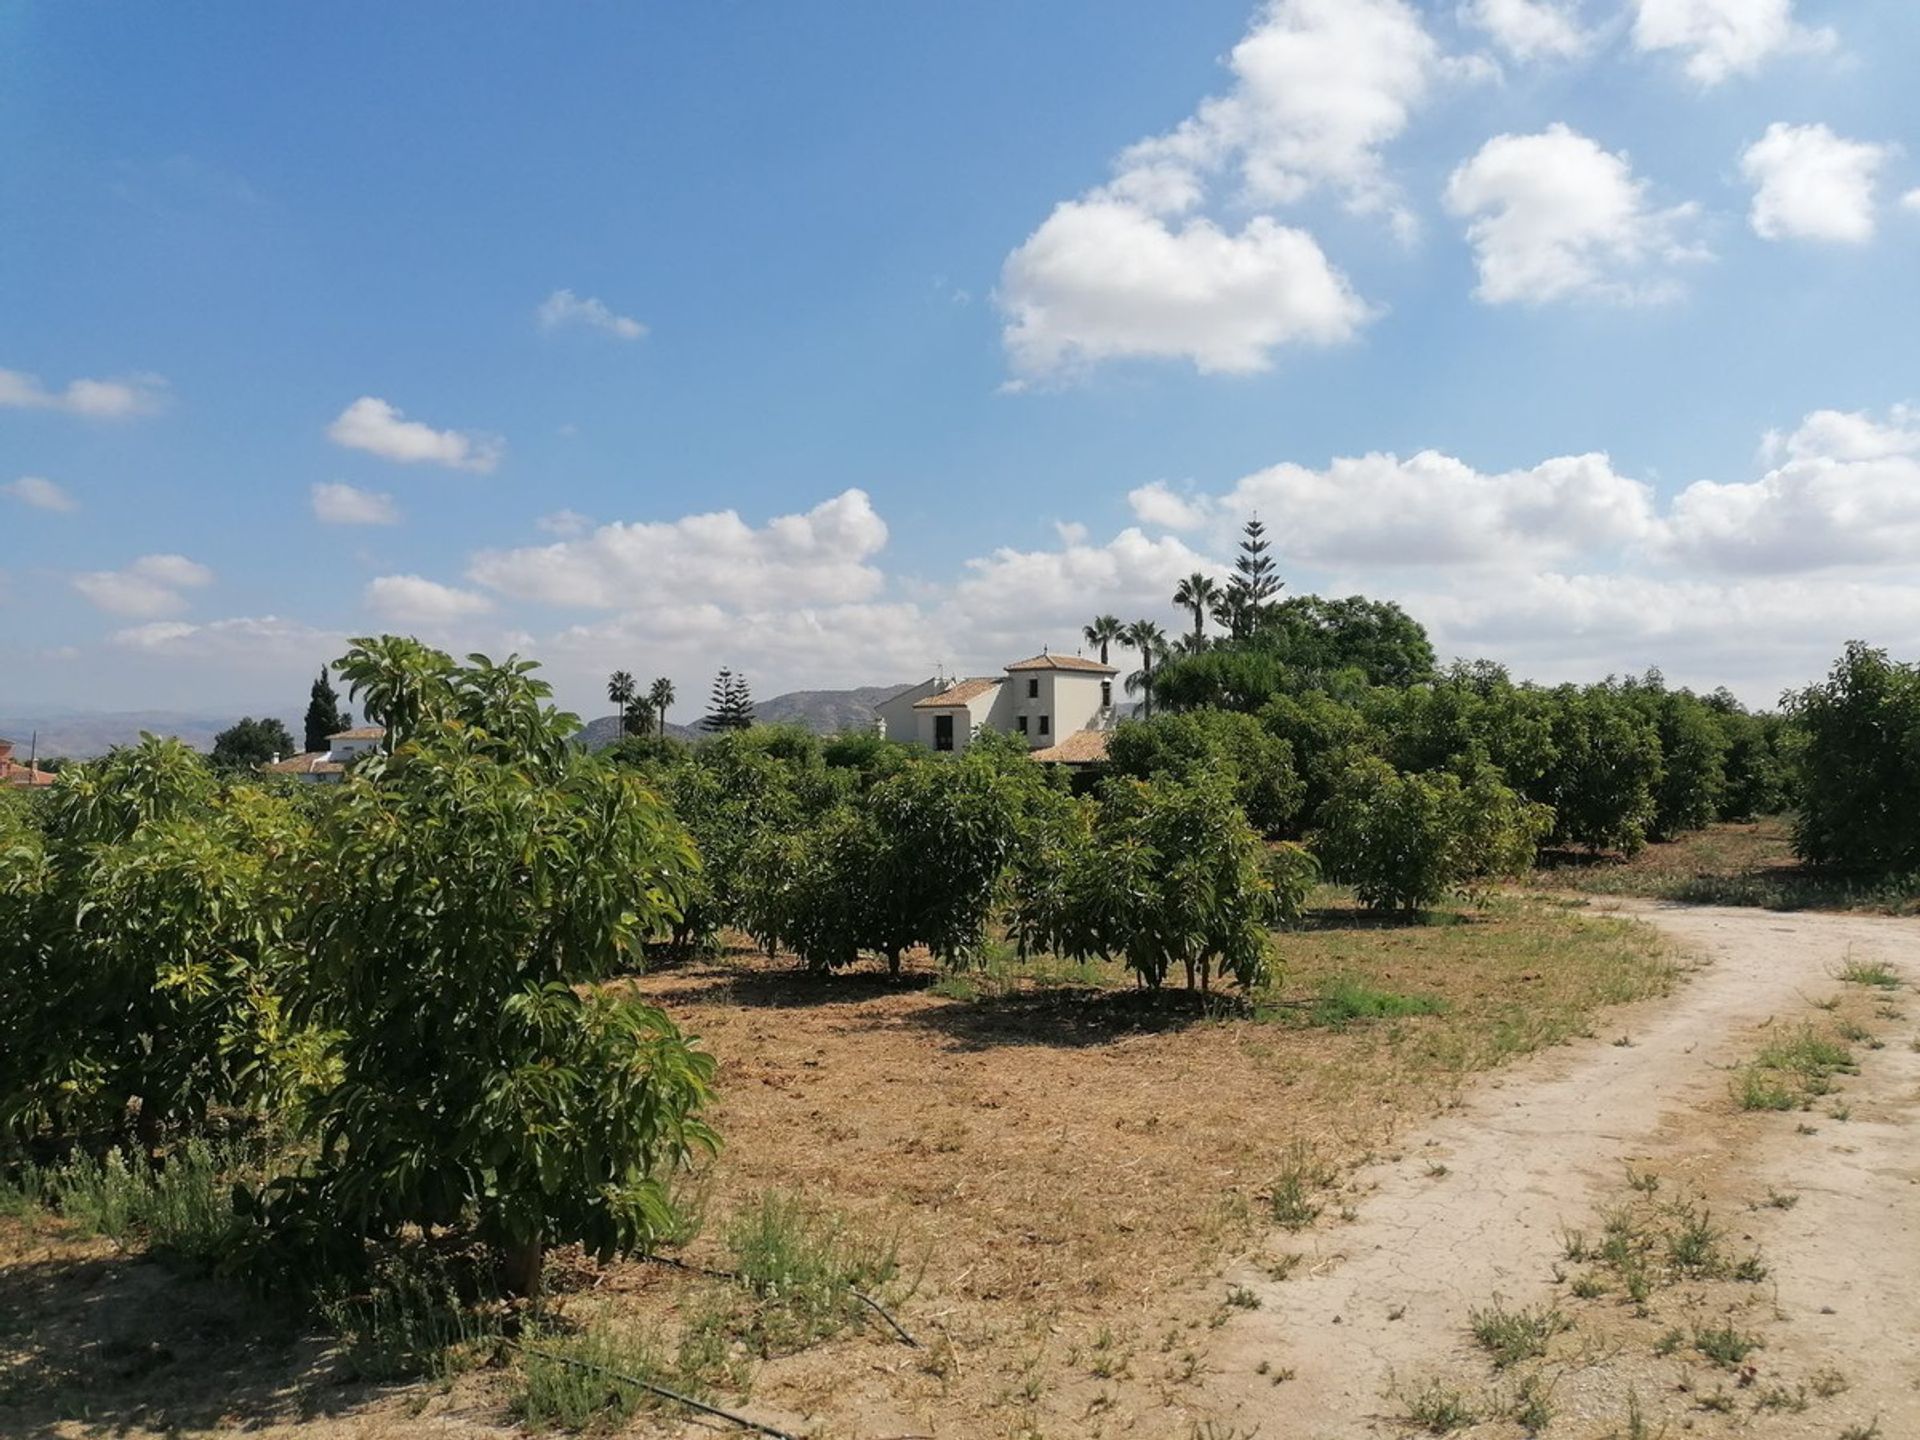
{"x":1386,"y":1297}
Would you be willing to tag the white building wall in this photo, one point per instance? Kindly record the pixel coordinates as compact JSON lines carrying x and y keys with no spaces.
{"x":898,"y":719}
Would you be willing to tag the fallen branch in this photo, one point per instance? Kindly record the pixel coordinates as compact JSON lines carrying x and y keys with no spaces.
{"x":743,"y":1421}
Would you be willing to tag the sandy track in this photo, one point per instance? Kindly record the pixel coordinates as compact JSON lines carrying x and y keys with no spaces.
{"x":1546,"y":1145}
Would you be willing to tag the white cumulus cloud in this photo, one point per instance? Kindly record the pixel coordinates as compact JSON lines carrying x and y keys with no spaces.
{"x":415,"y":600}
{"x":41,"y":493}
{"x":337,"y":504}
{"x":565,"y":523}
{"x":1530,"y":29}
{"x":1103,"y":280}
{"x":373,"y":425}
{"x":1144,"y":266}
{"x":1156,"y":503}
{"x":820,"y":557}
{"x":1320,"y":86}
{"x":153,"y":585}
{"x":1846,"y":493}
{"x":1432,"y":509}
{"x":90,"y":399}
{"x":563,"y":308}
{"x":1554,"y":216}
{"x":1724,"y":38}
{"x":1811,"y":184}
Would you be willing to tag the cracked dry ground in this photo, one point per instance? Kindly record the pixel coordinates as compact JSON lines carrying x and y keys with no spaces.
{"x":1474,"y":1211}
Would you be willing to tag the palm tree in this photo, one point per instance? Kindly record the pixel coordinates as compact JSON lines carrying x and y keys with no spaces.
{"x":1196,"y":593}
{"x":620,"y":690}
{"x":1151,"y":641}
{"x":1104,"y":630}
{"x":660,"y":696}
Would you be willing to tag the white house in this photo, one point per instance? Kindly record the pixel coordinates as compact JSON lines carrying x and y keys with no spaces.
{"x":1061,"y":704}
{"x":329,"y":766}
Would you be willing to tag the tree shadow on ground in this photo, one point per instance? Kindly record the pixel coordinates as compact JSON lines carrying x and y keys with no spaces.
{"x":100,"y":1344}
{"x":1344,"y":918}
{"x":1072,"y":1017}
{"x":778,"y":987}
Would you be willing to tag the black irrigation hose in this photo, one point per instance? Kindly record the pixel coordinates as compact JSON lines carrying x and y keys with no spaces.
{"x":734,"y":1275}
{"x":743,"y":1421}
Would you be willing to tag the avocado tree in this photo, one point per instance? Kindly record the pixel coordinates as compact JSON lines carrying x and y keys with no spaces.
{"x":1405,"y":841}
{"x":148,"y":951}
{"x":462,"y":891}
{"x":1168,"y":872}
{"x":1859,"y":763}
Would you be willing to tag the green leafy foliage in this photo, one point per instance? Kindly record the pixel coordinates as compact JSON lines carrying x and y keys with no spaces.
{"x":248,"y":744}
{"x":1860,"y":765}
{"x":464,"y":886}
{"x":1181,"y":746}
{"x":148,"y":951}
{"x":1405,"y":841}
{"x":1162,"y":873}
{"x":1605,"y":772}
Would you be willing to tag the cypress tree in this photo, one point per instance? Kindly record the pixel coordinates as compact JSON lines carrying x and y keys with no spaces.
{"x":324,"y":715}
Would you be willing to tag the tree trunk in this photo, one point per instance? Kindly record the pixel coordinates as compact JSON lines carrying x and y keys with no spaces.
{"x":893,"y":963}
{"x":520,"y":1263}
{"x":147,"y":1126}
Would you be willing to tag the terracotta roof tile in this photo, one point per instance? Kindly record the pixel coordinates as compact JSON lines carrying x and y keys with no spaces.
{"x":360,"y":732}
{"x":959,"y":693}
{"x":314,"y":762}
{"x":1064,"y":662}
{"x":1082,"y":747}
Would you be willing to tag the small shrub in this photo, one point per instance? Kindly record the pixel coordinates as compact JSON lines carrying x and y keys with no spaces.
{"x":1875,"y":973}
{"x":576,"y":1381}
{"x":1302,"y":1175}
{"x":1439,"y":1410}
{"x":805,"y":1265}
{"x":1510,"y":1336}
{"x":1724,"y":1345}
{"x":408,"y":1321}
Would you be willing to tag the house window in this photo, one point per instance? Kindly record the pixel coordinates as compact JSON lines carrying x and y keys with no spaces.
{"x":1033,"y":689}
{"x":943,"y":732}
{"x":1020,"y":723}
{"x":1045,"y":724}
{"x":1106,"y":694}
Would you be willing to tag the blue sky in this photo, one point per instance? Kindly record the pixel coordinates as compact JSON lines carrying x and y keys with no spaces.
{"x":458,"y":320}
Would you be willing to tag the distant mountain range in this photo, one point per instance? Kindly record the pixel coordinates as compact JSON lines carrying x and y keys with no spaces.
{"x":79,"y":735}
{"x":824,"y":712}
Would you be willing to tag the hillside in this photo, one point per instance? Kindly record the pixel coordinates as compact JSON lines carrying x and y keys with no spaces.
{"x":824,"y":712}
{"x":80,"y":736}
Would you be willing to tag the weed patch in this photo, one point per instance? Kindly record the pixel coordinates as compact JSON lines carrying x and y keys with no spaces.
{"x":1510,"y":1336}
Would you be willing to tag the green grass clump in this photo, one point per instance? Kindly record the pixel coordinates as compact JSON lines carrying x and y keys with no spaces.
{"x":1875,"y":973}
{"x":804,"y":1266}
{"x":584,"y":1381}
{"x":1345,"y":1000}
{"x":1724,"y":1345}
{"x":1510,"y":1336}
{"x":182,"y":1208}
{"x":409,"y":1320}
{"x":1791,"y":1070}
{"x":1439,"y":1410}
{"x":1303,"y":1174}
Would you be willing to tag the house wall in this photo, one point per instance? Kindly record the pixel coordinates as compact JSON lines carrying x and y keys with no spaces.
{"x":1069,"y":700}
{"x":345,"y":750}
{"x":898,"y":719}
